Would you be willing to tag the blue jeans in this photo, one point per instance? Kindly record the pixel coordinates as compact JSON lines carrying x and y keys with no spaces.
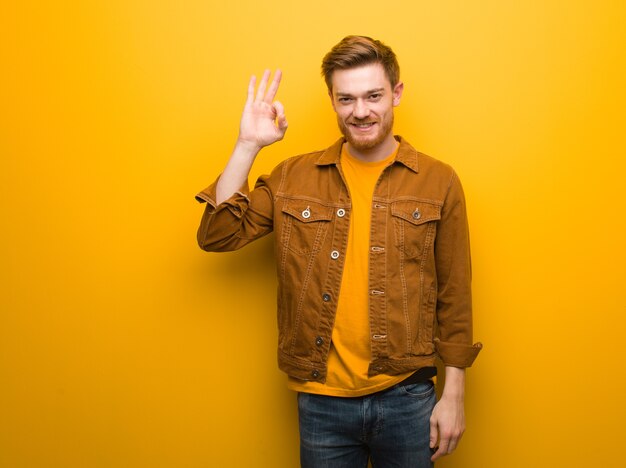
{"x":391,"y":428}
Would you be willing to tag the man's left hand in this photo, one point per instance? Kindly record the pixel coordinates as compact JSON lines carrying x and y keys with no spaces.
{"x":447,"y":421}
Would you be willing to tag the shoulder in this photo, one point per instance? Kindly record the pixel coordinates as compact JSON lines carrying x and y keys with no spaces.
{"x":303,"y":160}
{"x":313,"y":159}
{"x":302,"y":169}
{"x":424,"y":165}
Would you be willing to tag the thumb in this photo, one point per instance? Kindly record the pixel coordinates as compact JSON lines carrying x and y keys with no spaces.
{"x":281,"y":120}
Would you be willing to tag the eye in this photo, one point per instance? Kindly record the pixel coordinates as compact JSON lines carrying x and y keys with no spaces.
{"x":375,"y":96}
{"x":344,"y":100}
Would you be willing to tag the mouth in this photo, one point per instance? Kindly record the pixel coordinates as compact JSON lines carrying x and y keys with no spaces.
{"x":362,"y":127}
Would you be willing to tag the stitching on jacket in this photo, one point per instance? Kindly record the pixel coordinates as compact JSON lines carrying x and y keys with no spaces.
{"x":320,"y":234}
{"x":405,"y":303}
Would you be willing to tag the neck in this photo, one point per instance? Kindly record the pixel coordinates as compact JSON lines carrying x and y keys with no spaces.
{"x":376,"y":153}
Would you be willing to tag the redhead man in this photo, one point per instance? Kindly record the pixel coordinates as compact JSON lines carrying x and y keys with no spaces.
{"x":373,"y":263}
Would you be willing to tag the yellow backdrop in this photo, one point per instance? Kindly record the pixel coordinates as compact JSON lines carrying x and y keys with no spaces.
{"x":123,"y":345}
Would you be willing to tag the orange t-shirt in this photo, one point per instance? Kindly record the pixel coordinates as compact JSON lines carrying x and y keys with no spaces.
{"x":350,"y":351}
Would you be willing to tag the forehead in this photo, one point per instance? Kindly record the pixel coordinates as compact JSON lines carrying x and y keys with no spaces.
{"x":360,"y":80}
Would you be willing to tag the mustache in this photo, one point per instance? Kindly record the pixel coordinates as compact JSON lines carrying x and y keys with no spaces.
{"x":360,"y":122}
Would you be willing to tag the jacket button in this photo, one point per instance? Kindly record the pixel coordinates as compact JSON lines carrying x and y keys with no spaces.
{"x":315,"y":374}
{"x":319,"y":341}
{"x":417,"y":214}
{"x":306,"y":214}
{"x":326,"y":297}
{"x":341,"y":212}
{"x":334,"y":254}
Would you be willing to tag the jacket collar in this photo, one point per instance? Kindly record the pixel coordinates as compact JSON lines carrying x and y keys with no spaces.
{"x":407,"y":155}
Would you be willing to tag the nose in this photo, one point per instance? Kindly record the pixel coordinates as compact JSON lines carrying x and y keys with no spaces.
{"x":361,"y":111}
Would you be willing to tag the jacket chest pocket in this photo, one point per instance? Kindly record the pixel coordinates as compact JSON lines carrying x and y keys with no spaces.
{"x":414,"y":224}
{"x":304,"y":225}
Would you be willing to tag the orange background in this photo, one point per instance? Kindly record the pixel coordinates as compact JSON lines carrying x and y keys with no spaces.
{"x":123,"y":345}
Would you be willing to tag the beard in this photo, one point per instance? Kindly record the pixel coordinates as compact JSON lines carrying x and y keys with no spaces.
{"x":368,"y":142}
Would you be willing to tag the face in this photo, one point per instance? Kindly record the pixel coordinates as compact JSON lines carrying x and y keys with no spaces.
{"x":363,"y":100}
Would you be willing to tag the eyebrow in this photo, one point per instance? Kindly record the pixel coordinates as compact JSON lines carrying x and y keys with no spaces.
{"x":369,"y":91}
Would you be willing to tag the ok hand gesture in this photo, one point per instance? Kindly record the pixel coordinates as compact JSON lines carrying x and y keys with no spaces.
{"x":263,"y":121}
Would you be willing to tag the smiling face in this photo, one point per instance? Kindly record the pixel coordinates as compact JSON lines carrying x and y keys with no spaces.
{"x":363,"y":100}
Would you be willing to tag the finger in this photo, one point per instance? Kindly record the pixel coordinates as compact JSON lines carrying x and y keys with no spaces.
{"x":437,"y":454}
{"x":271,"y":92}
{"x":261,"y":91}
{"x":251,"y":86}
{"x":281,"y":120}
{"x":454,"y":441}
{"x":442,"y":450}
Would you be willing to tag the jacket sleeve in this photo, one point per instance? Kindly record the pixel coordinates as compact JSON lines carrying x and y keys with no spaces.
{"x":454,"y":297}
{"x":244,"y":217}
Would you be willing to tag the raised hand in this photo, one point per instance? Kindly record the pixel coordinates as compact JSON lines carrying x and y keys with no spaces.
{"x":263,"y":121}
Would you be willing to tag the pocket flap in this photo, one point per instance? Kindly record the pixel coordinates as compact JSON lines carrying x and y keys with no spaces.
{"x":308,"y":211}
{"x":416,"y":212}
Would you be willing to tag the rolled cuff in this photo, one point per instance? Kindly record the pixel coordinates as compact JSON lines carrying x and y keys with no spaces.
{"x":235,"y":202}
{"x":457,"y":354}
{"x":206,"y":197}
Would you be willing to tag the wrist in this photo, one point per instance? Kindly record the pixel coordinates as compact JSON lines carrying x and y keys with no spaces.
{"x":247,"y":148}
{"x":453,"y":394}
{"x":454,"y":387}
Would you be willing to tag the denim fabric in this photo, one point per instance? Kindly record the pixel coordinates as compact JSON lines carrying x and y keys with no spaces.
{"x":391,"y":428}
{"x":419,"y":279}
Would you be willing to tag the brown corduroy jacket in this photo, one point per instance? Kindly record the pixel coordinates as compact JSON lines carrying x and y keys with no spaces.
{"x":419,"y":258}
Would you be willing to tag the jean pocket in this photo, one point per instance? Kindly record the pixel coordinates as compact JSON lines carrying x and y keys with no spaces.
{"x":420,"y":390}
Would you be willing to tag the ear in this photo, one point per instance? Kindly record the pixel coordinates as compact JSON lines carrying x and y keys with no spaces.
{"x":332,"y":101}
{"x":397,"y":93}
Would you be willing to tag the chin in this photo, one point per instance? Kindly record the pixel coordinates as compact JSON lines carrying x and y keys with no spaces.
{"x":364,"y":143}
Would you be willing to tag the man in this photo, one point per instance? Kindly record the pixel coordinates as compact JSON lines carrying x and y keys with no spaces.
{"x":372,"y":252}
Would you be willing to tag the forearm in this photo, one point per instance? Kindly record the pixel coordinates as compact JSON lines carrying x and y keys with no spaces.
{"x":236,"y":171}
{"x":454,"y":387}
